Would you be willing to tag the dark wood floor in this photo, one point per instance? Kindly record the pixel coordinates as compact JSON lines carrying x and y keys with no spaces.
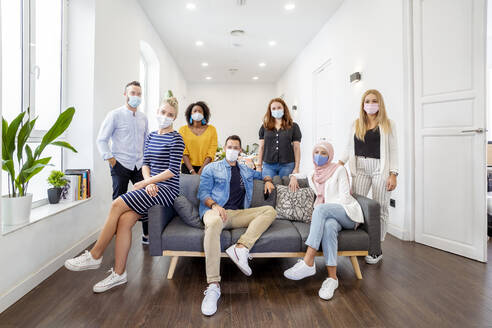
{"x":415,"y":286}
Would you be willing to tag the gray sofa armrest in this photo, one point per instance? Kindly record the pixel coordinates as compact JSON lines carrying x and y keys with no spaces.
{"x":159,"y":217}
{"x":372,"y":225}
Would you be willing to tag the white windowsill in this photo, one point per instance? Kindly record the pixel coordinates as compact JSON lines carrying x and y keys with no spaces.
{"x":42,"y":212}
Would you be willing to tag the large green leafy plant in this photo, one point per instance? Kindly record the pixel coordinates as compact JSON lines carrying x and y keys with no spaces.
{"x":18,"y":159}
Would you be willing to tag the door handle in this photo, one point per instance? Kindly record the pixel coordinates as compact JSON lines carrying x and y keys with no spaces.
{"x":479,"y":130}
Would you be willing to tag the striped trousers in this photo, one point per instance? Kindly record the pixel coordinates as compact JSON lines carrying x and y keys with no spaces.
{"x":368,"y":176}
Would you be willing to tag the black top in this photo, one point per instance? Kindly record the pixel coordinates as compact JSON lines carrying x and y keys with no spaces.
{"x":278,"y":144}
{"x":237,"y":190}
{"x":371,"y":146}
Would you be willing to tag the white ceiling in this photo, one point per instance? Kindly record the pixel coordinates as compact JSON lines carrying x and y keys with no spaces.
{"x":211,"y":23}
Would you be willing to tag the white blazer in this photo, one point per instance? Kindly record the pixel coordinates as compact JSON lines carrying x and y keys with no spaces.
{"x":337,"y":191}
{"x":388,"y":152}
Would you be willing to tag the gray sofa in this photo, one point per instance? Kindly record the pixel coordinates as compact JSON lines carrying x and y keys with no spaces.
{"x":170,"y":236}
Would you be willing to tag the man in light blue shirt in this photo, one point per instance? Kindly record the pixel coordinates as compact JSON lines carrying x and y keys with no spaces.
{"x":127,"y":128}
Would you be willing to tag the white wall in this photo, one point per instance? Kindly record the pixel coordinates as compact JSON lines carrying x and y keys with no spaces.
{"x":103,"y":56}
{"x":368,"y":37}
{"x":235,"y":108}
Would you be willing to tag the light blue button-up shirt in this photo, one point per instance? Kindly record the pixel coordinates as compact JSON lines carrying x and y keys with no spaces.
{"x":127,"y":131}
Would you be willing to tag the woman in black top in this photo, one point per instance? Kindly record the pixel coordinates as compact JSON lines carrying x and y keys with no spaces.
{"x":280,"y":139}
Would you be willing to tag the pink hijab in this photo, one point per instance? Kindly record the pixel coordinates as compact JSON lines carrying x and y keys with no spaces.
{"x":324,"y":172}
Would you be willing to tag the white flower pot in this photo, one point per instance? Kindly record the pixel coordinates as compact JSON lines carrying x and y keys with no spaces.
{"x":16,"y":210}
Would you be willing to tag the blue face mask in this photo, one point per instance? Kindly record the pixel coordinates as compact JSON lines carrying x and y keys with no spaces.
{"x":134,"y":101}
{"x":320,"y":160}
{"x":277,"y":113}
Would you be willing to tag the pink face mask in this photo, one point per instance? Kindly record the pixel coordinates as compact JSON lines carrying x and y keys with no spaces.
{"x":371,"y":108}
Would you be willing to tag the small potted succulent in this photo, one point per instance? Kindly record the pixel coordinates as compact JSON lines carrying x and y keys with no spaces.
{"x":58,"y":181}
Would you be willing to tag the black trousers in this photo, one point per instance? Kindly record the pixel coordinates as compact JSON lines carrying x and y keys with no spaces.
{"x":121,"y":177}
{"x":185,"y":170}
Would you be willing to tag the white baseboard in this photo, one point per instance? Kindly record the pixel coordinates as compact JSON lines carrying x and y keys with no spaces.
{"x":398,"y":232}
{"x":25,"y":286}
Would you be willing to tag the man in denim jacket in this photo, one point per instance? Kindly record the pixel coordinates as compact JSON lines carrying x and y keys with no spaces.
{"x":226,"y":189}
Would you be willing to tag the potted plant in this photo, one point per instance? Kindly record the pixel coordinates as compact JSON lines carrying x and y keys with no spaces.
{"x":22,"y":163}
{"x":58,"y":181}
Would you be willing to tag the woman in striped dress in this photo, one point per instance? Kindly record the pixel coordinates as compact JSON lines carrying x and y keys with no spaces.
{"x":162,"y":160}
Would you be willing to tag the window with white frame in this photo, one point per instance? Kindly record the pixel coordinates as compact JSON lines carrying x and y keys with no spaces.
{"x":32,"y":67}
{"x":149,"y":80}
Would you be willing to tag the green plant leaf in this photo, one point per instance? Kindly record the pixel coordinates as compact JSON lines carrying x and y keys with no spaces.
{"x":38,"y":165}
{"x":11,"y":134}
{"x":24,"y":134}
{"x":64,"y":145}
{"x":61,"y":124}
{"x":5,"y":127}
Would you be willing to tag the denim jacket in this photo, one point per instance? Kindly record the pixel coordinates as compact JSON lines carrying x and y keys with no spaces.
{"x":215,"y":183}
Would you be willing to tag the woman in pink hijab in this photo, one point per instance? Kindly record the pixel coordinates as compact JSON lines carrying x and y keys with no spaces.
{"x":334,"y":209}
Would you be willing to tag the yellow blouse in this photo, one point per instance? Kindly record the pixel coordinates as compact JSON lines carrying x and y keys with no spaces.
{"x":197,"y":148}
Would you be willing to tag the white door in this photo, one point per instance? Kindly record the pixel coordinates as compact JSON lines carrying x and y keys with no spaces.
{"x":450,"y":116}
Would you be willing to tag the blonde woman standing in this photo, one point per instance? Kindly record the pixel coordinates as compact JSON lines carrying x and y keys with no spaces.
{"x":372,"y":156}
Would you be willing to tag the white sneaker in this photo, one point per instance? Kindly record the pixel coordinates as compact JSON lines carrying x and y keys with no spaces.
{"x":240,"y":256}
{"x":300,"y":270}
{"x":373,"y":259}
{"x":83,"y":262}
{"x":328,"y":288}
{"x":111,"y":281}
{"x":209,"y":303}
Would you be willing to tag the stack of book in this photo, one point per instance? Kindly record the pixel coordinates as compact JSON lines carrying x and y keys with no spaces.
{"x":79,"y":184}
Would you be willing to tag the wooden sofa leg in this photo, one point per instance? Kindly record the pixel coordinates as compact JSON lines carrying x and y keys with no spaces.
{"x":172,"y":267}
{"x":356,"y":266}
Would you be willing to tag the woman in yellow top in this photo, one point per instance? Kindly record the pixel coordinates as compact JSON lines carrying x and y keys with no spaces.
{"x":200,"y":139}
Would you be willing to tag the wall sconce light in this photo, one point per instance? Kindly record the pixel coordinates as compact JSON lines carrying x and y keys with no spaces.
{"x":355,"y":77}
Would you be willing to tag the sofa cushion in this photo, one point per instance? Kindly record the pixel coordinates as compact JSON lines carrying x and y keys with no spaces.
{"x":295,"y":206}
{"x":188,"y":187}
{"x":188,"y":212}
{"x":258,"y":198}
{"x":348,"y":240}
{"x":281,"y":236}
{"x":178,"y":236}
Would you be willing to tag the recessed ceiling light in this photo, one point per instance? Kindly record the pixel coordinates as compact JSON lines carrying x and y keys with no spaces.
{"x":272,"y":43}
{"x":204,"y":64}
{"x":255,"y":77}
{"x":199,"y":43}
{"x":190,"y":6}
{"x":289,"y":6}
{"x":262,"y":64}
{"x":208,"y":78}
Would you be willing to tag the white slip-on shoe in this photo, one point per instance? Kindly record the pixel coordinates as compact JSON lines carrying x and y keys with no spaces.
{"x":300,"y":270}
{"x":111,"y":281}
{"x":83,"y":262}
{"x":240,"y":256}
{"x":328,"y":288}
{"x":209,"y":303}
{"x":373,"y":259}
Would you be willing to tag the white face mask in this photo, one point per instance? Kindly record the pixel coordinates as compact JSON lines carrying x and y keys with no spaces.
{"x":232,"y":155}
{"x":164,"y":121}
{"x":277,"y":113}
{"x":197,"y":116}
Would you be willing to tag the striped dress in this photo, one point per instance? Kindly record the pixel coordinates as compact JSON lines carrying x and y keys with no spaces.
{"x":162,"y":152}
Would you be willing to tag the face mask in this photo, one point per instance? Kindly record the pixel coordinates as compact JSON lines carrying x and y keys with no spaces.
{"x":277,"y":113}
{"x":371,"y":108}
{"x":320,"y":160}
{"x":197,"y":116}
{"x":232,"y":155}
{"x":164,"y":121}
{"x":134,"y":101}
